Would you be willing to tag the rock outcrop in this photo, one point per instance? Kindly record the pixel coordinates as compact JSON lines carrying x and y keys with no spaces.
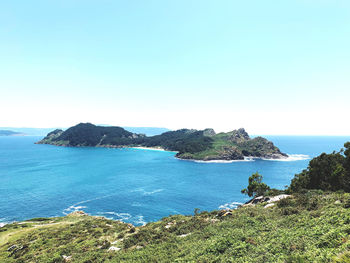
{"x":269,"y":200}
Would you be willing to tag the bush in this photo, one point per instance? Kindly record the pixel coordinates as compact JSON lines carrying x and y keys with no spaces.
{"x":286,"y":202}
{"x":328,"y":172}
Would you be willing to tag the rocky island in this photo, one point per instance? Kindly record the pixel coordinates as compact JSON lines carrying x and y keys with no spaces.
{"x":189,"y":144}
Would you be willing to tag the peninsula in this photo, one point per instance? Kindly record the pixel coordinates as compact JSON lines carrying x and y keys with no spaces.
{"x":189,"y":144}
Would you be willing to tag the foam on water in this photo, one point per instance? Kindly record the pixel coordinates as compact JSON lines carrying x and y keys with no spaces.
{"x":139,"y":220}
{"x":246,"y":159}
{"x":77,"y":206}
{"x":291,"y":158}
{"x":117,"y":216}
{"x":124,"y":217}
{"x":3,"y":222}
{"x":144,"y":192}
{"x":72,"y":208}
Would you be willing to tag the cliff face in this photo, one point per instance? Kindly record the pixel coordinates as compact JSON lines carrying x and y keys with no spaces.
{"x":235,"y":145}
{"x":190,"y":144}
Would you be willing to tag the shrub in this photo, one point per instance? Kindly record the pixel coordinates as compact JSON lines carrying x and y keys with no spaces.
{"x":328,"y":172}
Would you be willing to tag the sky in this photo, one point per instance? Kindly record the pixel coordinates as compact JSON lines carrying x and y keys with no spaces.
{"x":272,"y":67}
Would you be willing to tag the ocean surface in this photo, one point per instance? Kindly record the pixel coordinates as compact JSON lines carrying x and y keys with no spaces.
{"x":134,"y":185}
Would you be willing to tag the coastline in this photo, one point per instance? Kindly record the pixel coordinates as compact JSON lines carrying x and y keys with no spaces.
{"x":246,"y":159}
{"x":150,"y":149}
{"x":79,"y":237}
{"x":290,"y":158}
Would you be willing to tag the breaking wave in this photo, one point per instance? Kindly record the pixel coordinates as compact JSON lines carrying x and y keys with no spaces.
{"x":246,"y":159}
{"x":77,"y":206}
{"x":291,"y":158}
{"x":116,"y":216}
{"x":139,"y":220}
{"x":124,"y":217}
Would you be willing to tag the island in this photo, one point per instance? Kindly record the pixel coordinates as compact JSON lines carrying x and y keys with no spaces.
{"x":190,"y":144}
{"x":10,"y":133}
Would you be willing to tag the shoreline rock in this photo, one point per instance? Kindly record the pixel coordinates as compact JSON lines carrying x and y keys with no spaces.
{"x":265,"y":199}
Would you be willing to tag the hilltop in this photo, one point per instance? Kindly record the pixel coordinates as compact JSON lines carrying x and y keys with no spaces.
{"x":149,"y":131}
{"x":188,"y":143}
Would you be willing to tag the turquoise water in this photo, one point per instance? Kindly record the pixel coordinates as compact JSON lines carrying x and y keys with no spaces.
{"x":133,"y":185}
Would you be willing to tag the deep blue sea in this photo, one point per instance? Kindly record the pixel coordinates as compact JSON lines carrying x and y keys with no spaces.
{"x":134,"y":185}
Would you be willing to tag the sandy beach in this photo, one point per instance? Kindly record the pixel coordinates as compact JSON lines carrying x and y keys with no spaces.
{"x":151,"y":148}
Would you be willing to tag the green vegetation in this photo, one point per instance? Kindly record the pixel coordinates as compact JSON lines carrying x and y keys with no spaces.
{"x":234,"y":145}
{"x":312,"y":227}
{"x":87,"y":134}
{"x":183,"y":141}
{"x":190,"y":144}
{"x":329,"y":172}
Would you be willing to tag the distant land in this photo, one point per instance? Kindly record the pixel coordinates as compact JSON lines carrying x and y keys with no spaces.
{"x":189,"y":144}
{"x":149,"y":131}
{"x":29,"y":131}
{"x":10,"y":133}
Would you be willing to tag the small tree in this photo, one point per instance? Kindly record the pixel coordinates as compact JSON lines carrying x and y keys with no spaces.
{"x":255,"y":187}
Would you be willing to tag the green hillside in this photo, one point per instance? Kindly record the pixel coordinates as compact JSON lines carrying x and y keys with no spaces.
{"x":190,"y":144}
{"x":312,"y":227}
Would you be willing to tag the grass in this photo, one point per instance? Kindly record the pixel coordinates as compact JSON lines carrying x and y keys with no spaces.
{"x":218,"y":146}
{"x":312,"y":227}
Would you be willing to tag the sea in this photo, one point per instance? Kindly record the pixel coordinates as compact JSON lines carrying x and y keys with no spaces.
{"x":135,"y":185}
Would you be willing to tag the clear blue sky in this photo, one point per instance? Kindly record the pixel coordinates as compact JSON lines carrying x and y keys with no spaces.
{"x":273,"y":67}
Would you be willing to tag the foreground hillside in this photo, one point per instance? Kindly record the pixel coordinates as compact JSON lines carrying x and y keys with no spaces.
{"x":190,"y":144}
{"x":309,"y":227}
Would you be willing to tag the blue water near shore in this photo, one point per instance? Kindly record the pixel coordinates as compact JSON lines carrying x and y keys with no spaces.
{"x":133,"y":185}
